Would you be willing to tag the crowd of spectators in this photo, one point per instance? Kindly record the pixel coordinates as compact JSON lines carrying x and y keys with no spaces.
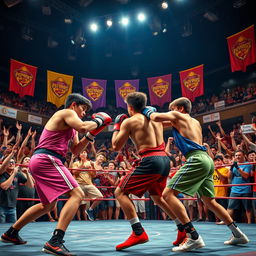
{"x":231,"y":148}
{"x":201,"y":105}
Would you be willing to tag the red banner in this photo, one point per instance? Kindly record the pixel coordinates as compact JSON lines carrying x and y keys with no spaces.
{"x":159,"y":89}
{"x":192,"y":82}
{"x":241,"y":47}
{"x":22,"y":78}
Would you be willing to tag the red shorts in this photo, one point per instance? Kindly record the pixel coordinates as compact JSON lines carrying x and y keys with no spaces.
{"x":150,"y":175}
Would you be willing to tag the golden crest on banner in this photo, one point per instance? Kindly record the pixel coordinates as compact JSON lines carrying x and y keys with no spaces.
{"x":94,"y":91}
{"x":192,"y":81}
{"x":125,"y":89}
{"x":160,"y":87}
{"x":23,"y":76}
{"x":242,"y":47}
{"x":59,"y":87}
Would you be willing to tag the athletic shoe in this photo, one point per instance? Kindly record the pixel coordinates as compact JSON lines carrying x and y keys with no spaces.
{"x":133,"y":240}
{"x":90,"y":214}
{"x":189,"y":244}
{"x":14,"y":239}
{"x":220,"y":223}
{"x":180,"y":237}
{"x":57,"y":250}
{"x":243,"y":239}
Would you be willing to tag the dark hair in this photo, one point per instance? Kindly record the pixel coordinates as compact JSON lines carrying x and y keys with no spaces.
{"x":182,"y":102}
{"x":218,"y":157}
{"x":137,"y":100}
{"x":239,"y":150}
{"x":112,"y":162}
{"x":78,"y":99}
{"x":251,"y":152}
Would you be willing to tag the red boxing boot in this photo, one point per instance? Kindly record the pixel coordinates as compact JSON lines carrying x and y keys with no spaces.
{"x":180,"y":237}
{"x":133,"y":240}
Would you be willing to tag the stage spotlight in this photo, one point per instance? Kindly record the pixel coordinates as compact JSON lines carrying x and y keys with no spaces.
{"x":125,"y":21}
{"x":164,"y":5}
{"x":141,"y":17}
{"x":68,"y":20}
{"x":94,"y":27}
{"x":109,"y":23}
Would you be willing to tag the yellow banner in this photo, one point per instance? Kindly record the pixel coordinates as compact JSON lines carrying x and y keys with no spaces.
{"x":59,"y":86}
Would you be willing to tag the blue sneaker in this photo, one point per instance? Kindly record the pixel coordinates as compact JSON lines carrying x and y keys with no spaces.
{"x":90,"y":214}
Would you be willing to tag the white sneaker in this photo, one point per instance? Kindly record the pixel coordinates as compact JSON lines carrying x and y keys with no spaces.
{"x":189,"y":244}
{"x":243,"y":239}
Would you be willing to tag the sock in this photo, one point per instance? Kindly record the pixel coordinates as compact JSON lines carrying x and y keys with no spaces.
{"x":136,"y":226}
{"x":57,"y":237}
{"x":12,"y":232}
{"x":235,"y":230}
{"x":179,"y":225}
{"x":189,"y":228}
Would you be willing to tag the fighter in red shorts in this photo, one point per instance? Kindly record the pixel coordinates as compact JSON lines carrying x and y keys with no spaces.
{"x":151,"y":173}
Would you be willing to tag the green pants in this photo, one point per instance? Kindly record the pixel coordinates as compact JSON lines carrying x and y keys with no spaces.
{"x":195,"y":176}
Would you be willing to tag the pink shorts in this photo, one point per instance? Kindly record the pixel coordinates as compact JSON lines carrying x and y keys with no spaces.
{"x":52,"y":178}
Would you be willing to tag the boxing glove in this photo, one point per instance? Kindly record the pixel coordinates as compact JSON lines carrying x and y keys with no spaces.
{"x":118,"y":121}
{"x":101,"y":118}
{"x":147,"y":111}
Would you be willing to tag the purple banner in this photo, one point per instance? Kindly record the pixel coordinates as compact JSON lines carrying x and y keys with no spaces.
{"x":124,"y":87}
{"x":159,"y":89}
{"x":95,"y":91}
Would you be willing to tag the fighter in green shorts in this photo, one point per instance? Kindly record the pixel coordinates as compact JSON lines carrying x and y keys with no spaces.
{"x":195,"y":176}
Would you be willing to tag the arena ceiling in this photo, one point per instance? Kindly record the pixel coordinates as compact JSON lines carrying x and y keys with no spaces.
{"x":34,"y":31}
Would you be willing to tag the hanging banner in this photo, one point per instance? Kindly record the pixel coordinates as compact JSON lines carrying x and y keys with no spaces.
{"x":95,"y":91}
{"x":59,"y":86}
{"x":22,"y":78}
{"x":124,"y":87}
{"x":241,"y":47}
{"x":192,"y":82}
{"x":159,"y":89}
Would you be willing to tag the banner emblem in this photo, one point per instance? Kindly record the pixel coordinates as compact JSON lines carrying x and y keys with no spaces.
{"x":125,"y":89}
{"x":23,"y":76}
{"x":242,"y":47}
{"x":192,"y":81}
{"x":94,"y":91}
{"x":59,"y":87}
{"x":160,"y":87}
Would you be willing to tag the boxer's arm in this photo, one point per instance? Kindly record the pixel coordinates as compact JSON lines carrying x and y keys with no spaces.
{"x":170,"y":116}
{"x":119,"y":138}
{"x":72,"y":120}
{"x":77,"y":146}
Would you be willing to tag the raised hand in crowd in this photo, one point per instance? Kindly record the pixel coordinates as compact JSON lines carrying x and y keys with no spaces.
{"x":7,"y":159}
{"x":19,"y":127}
{"x":23,"y":146}
{"x":33,"y":142}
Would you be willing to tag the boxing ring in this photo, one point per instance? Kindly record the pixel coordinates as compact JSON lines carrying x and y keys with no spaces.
{"x":86,"y":238}
{"x":100,"y":237}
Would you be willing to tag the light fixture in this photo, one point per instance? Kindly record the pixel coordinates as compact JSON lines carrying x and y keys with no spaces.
{"x":94,"y":27}
{"x":26,"y":33}
{"x":109,"y":23}
{"x":164,"y":5}
{"x":141,"y":17}
{"x":125,"y":21}
{"x":68,"y":20}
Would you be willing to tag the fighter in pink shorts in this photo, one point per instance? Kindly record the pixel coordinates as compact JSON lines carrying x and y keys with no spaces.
{"x":51,"y":177}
